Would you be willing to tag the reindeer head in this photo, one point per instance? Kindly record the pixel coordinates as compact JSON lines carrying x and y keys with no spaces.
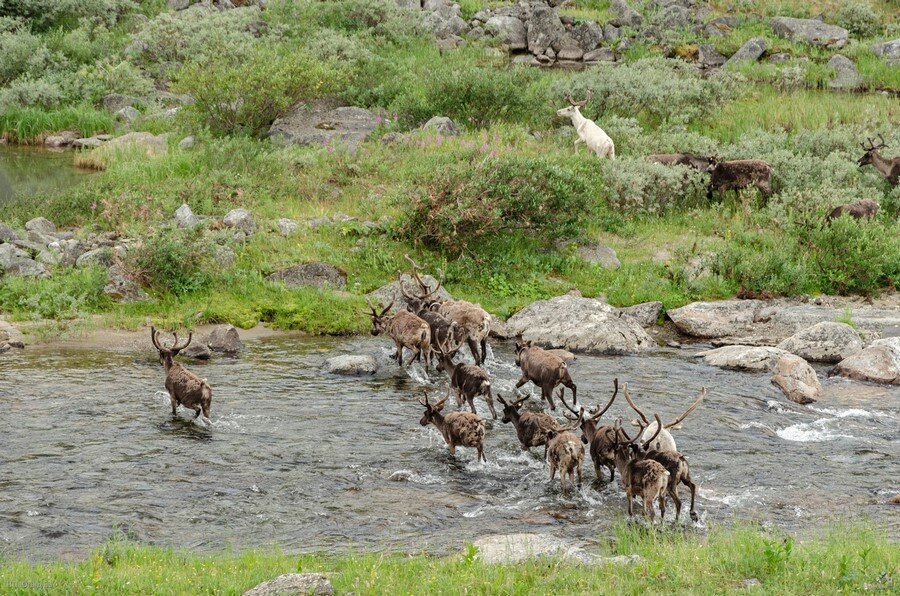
{"x":510,"y":409}
{"x":521,"y":346}
{"x":446,"y":354}
{"x":166,"y":354}
{"x":870,"y":150}
{"x":574,"y":106}
{"x":379,"y":321}
{"x":625,"y":446}
{"x":425,"y":299}
{"x":431,"y":411}
{"x":589,"y":423}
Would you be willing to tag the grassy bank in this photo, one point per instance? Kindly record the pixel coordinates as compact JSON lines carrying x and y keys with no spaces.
{"x":847,"y":560}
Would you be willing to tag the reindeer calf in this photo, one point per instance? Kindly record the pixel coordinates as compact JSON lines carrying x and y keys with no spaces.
{"x":865,"y":209}
{"x":184,"y":387}
{"x":406,"y":329}
{"x":544,"y":369}
{"x":531,"y":427}
{"x":644,"y":478}
{"x":564,"y":453}
{"x":457,"y":428}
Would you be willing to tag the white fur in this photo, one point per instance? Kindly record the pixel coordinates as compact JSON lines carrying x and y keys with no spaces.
{"x":589,"y":133}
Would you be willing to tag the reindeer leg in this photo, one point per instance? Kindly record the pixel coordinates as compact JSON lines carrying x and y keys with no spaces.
{"x":612,"y":472}
{"x":452,"y":447}
{"x":174,"y":402}
{"x":472,"y":404}
{"x":473,"y":347}
{"x":693,"y":488}
{"x":630,"y":496}
{"x":399,"y":353}
{"x":548,"y":395}
{"x":648,"y":508}
{"x":490,"y":402}
{"x":524,"y":379}
{"x":562,"y":482}
{"x":673,"y":494}
{"x":662,"y":508}
{"x":578,"y":469}
{"x":483,"y":349}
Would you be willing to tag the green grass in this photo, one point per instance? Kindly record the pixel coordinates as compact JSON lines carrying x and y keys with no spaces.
{"x":846,"y":560}
{"x":31,"y":125}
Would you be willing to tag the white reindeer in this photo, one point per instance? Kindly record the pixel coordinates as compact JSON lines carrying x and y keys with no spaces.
{"x":588,"y":132}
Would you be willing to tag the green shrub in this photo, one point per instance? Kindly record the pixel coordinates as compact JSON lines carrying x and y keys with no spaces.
{"x":383,"y":18}
{"x":855,"y":257}
{"x":640,"y":186}
{"x":172,"y":261}
{"x":465,"y":203}
{"x":50,"y":14}
{"x":858,"y":18}
{"x":67,"y":295}
{"x":244,"y":97}
{"x":28,"y":92}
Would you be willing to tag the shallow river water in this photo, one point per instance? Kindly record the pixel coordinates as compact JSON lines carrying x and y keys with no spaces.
{"x":32,"y":171}
{"x":304,"y":460}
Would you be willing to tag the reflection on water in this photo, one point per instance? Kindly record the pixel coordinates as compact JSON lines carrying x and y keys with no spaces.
{"x":31,"y":171}
{"x":308,"y":461}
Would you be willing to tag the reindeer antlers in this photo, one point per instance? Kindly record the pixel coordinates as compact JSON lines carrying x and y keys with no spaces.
{"x":872,"y":146}
{"x":579,"y":104}
{"x":631,"y":403}
{"x":689,"y":410}
{"x":154,"y":337}
{"x":611,"y":400}
{"x":374,"y":312}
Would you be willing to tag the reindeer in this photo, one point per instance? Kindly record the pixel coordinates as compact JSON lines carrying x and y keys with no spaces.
{"x":645,"y":478}
{"x":865,"y":209}
{"x":738,"y":174}
{"x":564,"y":453}
{"x":665,"y":441}
{"x":544,"y":369}
{"x":600,"y":438}
{"x":699,"y":163}
{"x":184,"y":387}
{"x":589,"y":133}
{"x":457,"y":428}
{"x":679,"y":472}
{"x":889,"y":168}
{"x":406,"y":329}
{"x":531,"y":427}
{"x":442,"y":329}
{"x":468,"y":380}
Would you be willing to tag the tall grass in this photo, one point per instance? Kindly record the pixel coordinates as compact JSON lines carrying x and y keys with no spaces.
{"x":32,"y":125}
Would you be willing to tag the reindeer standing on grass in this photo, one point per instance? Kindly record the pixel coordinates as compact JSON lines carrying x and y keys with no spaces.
{"x":588,"y":132}
{"x":889,"y":168}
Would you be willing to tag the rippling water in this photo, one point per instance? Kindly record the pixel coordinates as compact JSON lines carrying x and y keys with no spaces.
{"x":304,"y":460}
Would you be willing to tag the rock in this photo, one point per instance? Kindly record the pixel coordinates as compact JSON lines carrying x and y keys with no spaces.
{"x":674,"y":17}
{"x":588,"y":35}
{"x":185,"y":217}
{"x":197,"y":350}
{"x":391,"y":292}
{"x":646,"y":313}
{"x":225,"y":338}
{"x":847,"y":76}
{"x":63,"y":252}
{"x":516,"y":548}
{"x":351,"y":365}
{"x":599,"y":255}
{"x":625,"y":16}
{"x":824,"y":342}
{"x":709,"y":57}
{"x":611,"y":33}
{"x":401,"y":476}
{"x":889,"y":50}
{"x":544,"y":28}
{"x":751,"y":50}
{"x":579,"y":325}
{"x":600,"y":55}
{"x":442,"y":125}
{"x":510,"y":31}
{"x":16,"y":262}
{"x":318,"y":123}
{"x":240,"y":219}
{"x":564,"y":355}
{"x":100,"y":257}
{"x":299,"y":584}
{"x":751,"y":583}
{"x":286,"y":227}
{"x":39,"y":239}
{"x":879,"y":363}
{"x":7,"y":234}
{"x":179,"y":4}
{"x":392,"y":137}
{"x":116,"y":101}
{"x":121,"y":289}
{"x":63,"y":139}
{"x":311,"y":275}
{"x":223,"y":256}
{"x":716,"y":319}
{"x":810,"y":31}
{"x":128,"y":115}
{"x":88,"y":143}
{"x":526,"y":59}
{"x":751,"y":358}
{"x":498,"y":329}
{"x":796,"y":379}
{"x":41,"y":225}
{"x":779,"y":57}
{"x":151,"y":144}
{"x":187,"y":143}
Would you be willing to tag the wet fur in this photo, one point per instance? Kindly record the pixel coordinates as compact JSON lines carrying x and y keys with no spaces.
{"x":566,"y":454}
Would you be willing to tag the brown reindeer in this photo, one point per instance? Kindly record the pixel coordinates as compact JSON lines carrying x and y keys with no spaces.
{"x":738,"y":174}
{"x":600,"y":438}
{"x":566,"y":454}
{"x":665,"y":441}
{"x":457,"y":428}
{"x":679,"y":471}
{"x":442,"y":329}
{"x":544,"y":369}
{"x":531,"y":427}
{"x":184,"y":387}
{"x":644,"y":478}
{"x":865,"y":209}
{"x":889,"y":168}
{"x":406,"y":329}
{"x":468,"y":380}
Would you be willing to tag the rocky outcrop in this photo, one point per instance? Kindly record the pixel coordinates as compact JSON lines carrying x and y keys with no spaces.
{"x":508,"y":30}
{"x":889,"y":51}
{"x":17,"y":262}
{"x":625,"y":16}
{"x":442,"y":125}
{"x":516,"y":548}
{"x":240,"y":220}
{"x":846,"y":77}
{"x":579,"y":325}
{"x":747,"y":358}
{"x":321,"y":123}
{"x":716,"y":319}
{"x":810,"y":31}
{"x":122,"y":289}
{"x":824,"y":342}
{"x":645,"y":313}
{"x":879,"y":363}
{"x":306,"y":584}
{"x":709,"y":57}
{"x":351,"y":365}
{"x":311,"y":275}
{"x":796,"y":379}
{"x":751,"y":51}
{"x":185,"y":217}
{"x":225,"y":339}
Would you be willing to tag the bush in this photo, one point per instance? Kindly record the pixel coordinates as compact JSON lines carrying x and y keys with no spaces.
{"x":172,"y":261}
{"x":26,"y":92}
{"x":637,"y":185}
{"x":465,"y":203}
{"x":383,"y":18}
{"x":51,"y":14}
{"x":855,"y":257}
{"x":858,"y":18}
{"x":244,"y":97}
{"x":67,"y":295}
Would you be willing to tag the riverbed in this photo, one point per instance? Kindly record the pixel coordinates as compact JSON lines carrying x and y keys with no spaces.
{"x":312,"y":462}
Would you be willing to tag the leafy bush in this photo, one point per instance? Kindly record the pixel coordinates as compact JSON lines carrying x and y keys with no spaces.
{"x":383,"y":18}
{"x":67,"y":295}
{"x":247,"y":95}
{"x":27,"y":92}
{"x":858,"y":18}
{"x":50,"y":14}
{"x":464,"y":203}
{"x":172,"y":260}
{"x":641,"y":186}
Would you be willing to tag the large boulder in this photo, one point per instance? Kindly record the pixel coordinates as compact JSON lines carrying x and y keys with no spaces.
{"x":889,"y":50}
{"x":544,"y":28}
{"x":599,"y":254}
{"x":796,"y":379}
{"x":810,"y":31}
{"x":442,"y":125}
{"x":351,"y":365}
{"x":225,"y":339}
{"x":311,"y":275}
{"x":390,"y":293}
{"x":879,"y":363}
{"x":588,"y":35}
{"x":846,"y":77}
{"x":319,"y":123}
{"x":509,"y":31}
{"x":709,"y":57}
{"x":7,"y":234}
{"x":241,"y":220}
{"x":41,"y":225}
{"x":103,"y":256}
{"x":750,"y":51}
{"x":749,"y":358}
{"x":645,"y":313}
{"x":824,"y":342}
{"x":16,"y":262}
{"x":625,"y":16}
{"x":579,"y":325}
{"x":710,"y":320}
{"x":674,"y":17}
{"x":290,"y":584}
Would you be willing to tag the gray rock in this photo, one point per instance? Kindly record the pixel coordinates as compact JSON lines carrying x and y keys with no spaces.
{"x":709,"y":57}
{"x":625,"y":16}
{"x":579,"y":325}
{"x":879,"y":363}
{"x":149,"y":143}
{"x":223,"y":256}
{"x":847,"y":76}
{"x":286,"y":226}
{"x":197,"y":350}
{"x":39,"y":238}
{"x":600,"y":55}
{"x":751,"y":50}
{"x":526,"y":59}
{"x":544,"y":28}
{"x":116,"y":101}
{"x":390,"y":293}
{"x":7,"y":234}
{"x":311,"y":275}
{"x":410,"y":4}
{"x":318,"y":123}
{"x":86,"y":143}
{"x":588,"y":35}
{"x":179,"y":4}
{"x":16,"y":262}
{"x":187,"y":142}
{"x":516,"y":548}
{"x":128,"y":115}
{"x":510,"y":31}
{"x":442,"y":125}
{"x":570,"y":53}
{"x":122,"y":289}
{"x":889,"y":50}
{"x":41,"y":225}
{"x":750,"y":358}
{"x":645,"y":313}
{"x":65,"y":252}
{"x":796,"y":379}
{"x":674,"y":17}
{"x":351,"y":365}
{"x":291,"y":584}
{"x":824,"y":342}
{"x":63,"y":139}
{"x":241,"y":220}
{"x":185,"y":217}
{"x":779,"y":57}
{"x":810,"y":31}
{"x":100,"y":257}
{"x":611,"y":32}
{"x":225,"y":339}
{"x":600,"y":255}
{"x":716,"y":319}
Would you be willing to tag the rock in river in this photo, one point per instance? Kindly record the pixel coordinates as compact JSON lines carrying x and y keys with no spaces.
{"x":715,"y":319}
{"x":751,"y":358}
{"x":796,"y":379}
{"x":351,"y":364}
{"x":824,"y":342}
{"x":879,"y":363}
{"x":224,"y":338}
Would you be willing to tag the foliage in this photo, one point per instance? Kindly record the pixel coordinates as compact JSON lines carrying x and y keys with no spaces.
{"x":49,"y":14}
{"x":172,"y":260}
{"x":67,"y":295}
{"x":858,"y":18}
{"x":637,"y":185}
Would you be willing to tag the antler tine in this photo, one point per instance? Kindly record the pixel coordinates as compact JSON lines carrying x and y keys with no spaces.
{"x":425,"y":401}
{"x":633,"y":406}
{"x":520,"y":401}
{"x":153,"y":338}
{"x":436,"y":288}
{"x":690,"y":409}
{"x":501,"y":400}
{"x":415,"y":271}
{"x":560,"y":396}
{"x":659,"y":426}
{"x":611,"y":400}
{"x":175,"y":346}
{"x":403,"y":293}
{"x":576,"y":421}
{"x":881,"y":140}
{"x":372,"y":306}
{"x":569,"y":99}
